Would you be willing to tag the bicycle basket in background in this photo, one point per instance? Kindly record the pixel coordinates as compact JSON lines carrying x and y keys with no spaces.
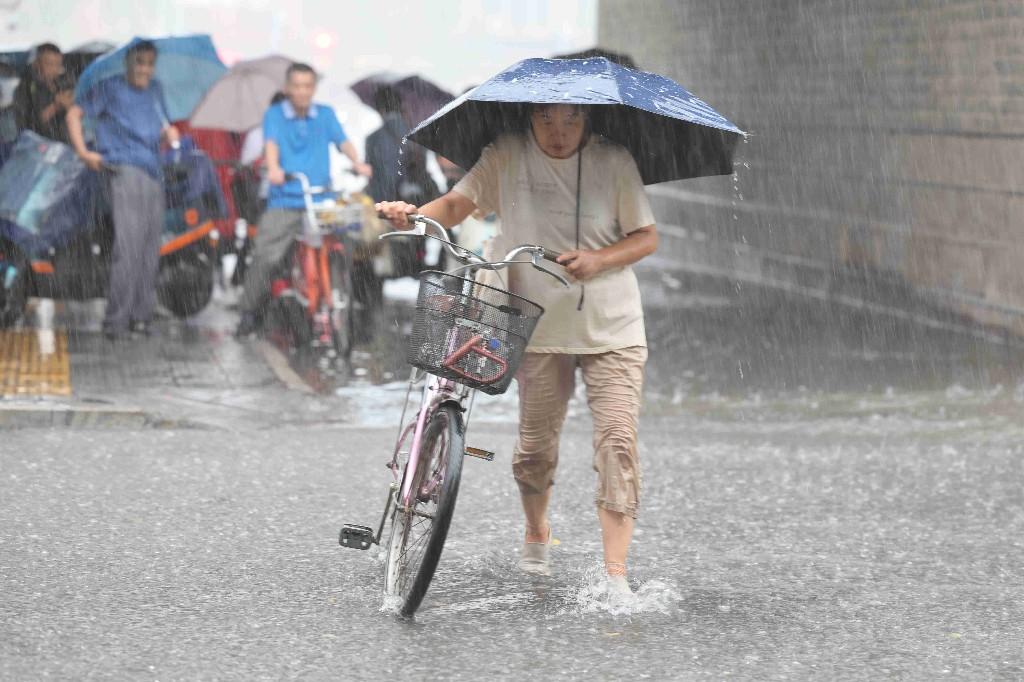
{"x":470,"y":332}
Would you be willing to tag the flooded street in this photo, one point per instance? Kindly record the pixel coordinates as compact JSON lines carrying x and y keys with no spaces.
{"x":204,"y":333}
{"x":796,"y":531}
{"x":775,"y":541}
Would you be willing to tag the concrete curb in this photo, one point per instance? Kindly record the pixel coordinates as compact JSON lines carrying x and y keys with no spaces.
{"x":48,"y":415}
{"x":279,"y":365}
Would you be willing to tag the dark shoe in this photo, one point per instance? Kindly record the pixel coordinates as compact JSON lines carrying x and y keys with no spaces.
{"x":247,"y":325}
{"x":140,"y":328}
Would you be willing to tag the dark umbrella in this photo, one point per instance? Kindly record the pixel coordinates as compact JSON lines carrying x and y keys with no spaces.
{"x":82,"y":56}
{"x":671,"y":134}
{"x":420,"y":97}
{"x":615,"y":57}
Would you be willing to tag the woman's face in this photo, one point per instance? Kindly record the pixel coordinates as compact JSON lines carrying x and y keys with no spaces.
{"x":558,"y":129}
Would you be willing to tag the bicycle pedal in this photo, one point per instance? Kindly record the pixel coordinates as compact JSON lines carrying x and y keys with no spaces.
{"x":480,"y":453}
{"x":356,"y":537}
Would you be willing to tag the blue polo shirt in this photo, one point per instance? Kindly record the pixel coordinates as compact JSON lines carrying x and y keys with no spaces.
{"x":304,"y":143}
{"x":128,"y":122}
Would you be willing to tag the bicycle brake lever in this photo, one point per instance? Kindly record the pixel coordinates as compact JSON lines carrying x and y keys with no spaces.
{"x":535,"y":262}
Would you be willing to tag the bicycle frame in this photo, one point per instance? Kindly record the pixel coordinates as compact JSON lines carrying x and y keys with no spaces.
{"x":417,"y":483}
{"x":438,"y":390}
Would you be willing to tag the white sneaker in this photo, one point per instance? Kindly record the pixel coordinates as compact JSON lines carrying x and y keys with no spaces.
{"x":534,"y":558}
{"x":618,"y":586}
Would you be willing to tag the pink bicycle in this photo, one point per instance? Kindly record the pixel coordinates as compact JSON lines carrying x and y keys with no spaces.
{"x":466,"y":337}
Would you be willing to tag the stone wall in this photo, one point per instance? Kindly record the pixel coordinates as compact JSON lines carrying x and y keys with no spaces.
{"x":886,"y":136}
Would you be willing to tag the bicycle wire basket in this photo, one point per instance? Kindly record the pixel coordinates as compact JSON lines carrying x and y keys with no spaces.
{"x":470,"y":332}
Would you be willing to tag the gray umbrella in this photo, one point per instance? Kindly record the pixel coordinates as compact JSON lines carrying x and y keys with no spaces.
{"x":238,"y":100}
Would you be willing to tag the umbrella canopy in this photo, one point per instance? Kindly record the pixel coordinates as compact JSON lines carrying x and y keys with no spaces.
{"x":671,"y":133}
{"x":615,"y":57}
{"x":238,"y":100}
{"x":16,"y":59}
{"x":420,"y":97}
{"x":76,"y":60}
{"x":186,"y":67}
{"x":94,"y":47}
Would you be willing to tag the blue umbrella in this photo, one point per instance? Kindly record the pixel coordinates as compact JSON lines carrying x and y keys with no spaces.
{"x":671,"y":134}
{"x":186,"y":67}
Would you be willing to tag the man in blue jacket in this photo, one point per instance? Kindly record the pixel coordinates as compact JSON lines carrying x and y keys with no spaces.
{"x":297,"y":134}
{"x":130,"y":119}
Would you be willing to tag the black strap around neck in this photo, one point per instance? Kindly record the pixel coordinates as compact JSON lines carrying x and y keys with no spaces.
{"x":579,"y":177}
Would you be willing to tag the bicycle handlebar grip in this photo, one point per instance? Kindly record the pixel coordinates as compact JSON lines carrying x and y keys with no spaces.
{"x":551,"y":255}
{"x":411,"y":217}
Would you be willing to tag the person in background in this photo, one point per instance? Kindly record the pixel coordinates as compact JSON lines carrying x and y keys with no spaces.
{"x":43,"y":96}
{"x":9,"y":81}
{"x":398,"y":172}
{"x":252,"y":145}
{"x":297,"y":136}
{"x":130,"y":118}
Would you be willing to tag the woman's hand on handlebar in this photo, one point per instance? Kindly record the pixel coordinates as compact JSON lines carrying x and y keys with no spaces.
{"x":581,"y":264}
{"x":396,"y":212}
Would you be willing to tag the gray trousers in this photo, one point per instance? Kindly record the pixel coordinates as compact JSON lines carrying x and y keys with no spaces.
{"x":277,"y":230}
{"x":137,"y":201}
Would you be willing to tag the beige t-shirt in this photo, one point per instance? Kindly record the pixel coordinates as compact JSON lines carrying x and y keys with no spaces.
{"x":535,"y":197}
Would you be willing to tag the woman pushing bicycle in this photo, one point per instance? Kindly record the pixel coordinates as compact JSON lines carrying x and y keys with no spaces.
{"x":560,"y":185}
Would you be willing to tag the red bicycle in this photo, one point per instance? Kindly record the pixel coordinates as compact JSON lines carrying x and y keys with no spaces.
{"x":311,"y":300}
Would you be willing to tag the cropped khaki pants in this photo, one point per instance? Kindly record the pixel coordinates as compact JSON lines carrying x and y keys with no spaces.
{"x":614,"y":381}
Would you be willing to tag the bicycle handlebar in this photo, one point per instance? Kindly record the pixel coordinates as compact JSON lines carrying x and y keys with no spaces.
{"x":469,"y":259}
{"x":304,"y":183}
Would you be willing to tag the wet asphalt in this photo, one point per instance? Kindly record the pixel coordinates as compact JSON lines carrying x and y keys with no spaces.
{"x":826,"y":545}
{"x":825,"y":497}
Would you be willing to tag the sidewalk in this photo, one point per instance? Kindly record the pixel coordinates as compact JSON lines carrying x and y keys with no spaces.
{"x":62,"y":372}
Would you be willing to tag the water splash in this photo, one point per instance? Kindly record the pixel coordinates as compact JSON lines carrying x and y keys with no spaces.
{"x":390,"y":604}
{"x":649,"y":596}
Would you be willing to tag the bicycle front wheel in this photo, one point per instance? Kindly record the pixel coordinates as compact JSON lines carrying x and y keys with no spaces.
{"x":342,"y":303}
{"x":418,"y":531}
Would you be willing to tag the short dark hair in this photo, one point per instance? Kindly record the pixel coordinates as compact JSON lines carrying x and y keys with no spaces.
{"x":47,"y":47}
{"x":139,"y":47}
{"x":299,"y":67}
{"x":540,"y":107}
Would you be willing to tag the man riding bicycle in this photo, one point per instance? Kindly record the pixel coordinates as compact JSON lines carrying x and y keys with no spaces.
{"x":297,"y":135}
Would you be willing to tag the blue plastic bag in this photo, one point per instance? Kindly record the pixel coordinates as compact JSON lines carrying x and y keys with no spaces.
{"x":45,"y":194}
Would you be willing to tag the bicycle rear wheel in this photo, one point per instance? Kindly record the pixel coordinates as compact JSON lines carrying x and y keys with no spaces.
{"x":418,"y":532}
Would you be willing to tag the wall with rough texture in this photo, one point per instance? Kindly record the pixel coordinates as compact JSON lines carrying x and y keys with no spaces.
{"x":886,"y":136}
